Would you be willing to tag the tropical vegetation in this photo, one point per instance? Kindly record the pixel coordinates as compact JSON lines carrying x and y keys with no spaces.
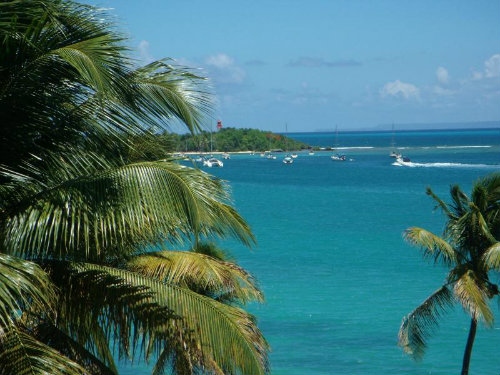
{"x":469,"y":248}
{"x":90,"y":269}
{"x":231,"y":139}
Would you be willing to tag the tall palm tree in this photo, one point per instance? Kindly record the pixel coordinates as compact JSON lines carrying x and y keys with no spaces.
{"x":79,"y":281}
{"x":471,"y":227}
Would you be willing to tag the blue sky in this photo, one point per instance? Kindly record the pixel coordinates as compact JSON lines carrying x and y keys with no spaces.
{"x":317,"y":64}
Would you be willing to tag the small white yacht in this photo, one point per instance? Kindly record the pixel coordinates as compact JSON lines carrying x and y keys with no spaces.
{"x":226,"y":156}
{"x":294,"y":156}
{"x":338,"y":157}
{"x":213,"y":162}
{"x":288,"y":160}
{"x":311,"y":152}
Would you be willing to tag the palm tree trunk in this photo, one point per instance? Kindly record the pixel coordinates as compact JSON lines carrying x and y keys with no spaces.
{"x":468,"y":347}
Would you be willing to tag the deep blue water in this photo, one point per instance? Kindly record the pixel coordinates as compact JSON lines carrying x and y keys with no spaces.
{"x":336,"y":273}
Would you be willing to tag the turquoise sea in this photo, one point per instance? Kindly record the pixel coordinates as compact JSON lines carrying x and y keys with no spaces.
{"x":336,"y":272}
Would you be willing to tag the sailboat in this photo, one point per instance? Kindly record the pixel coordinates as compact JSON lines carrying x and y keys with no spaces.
{"x":393,"y":153}
{"x":337,"y":156}
{"x":288,"y":158}
{"x":213,"y":161}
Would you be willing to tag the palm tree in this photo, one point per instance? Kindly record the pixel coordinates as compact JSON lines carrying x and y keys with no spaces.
{"x":471,"y":227}
{"x":86,"y":238}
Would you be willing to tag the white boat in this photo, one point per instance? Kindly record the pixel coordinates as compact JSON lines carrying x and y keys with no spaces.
{"x":311,"y":152}
{"x":403,"y":161}
{"x":226,"y":156}
{"x":393,"y":153}
{"x":271,"y":156}
{"x":338,"y":157}
{"x":288,"y":159}
{"x":294,"y":156}
{"x":213,"y":162}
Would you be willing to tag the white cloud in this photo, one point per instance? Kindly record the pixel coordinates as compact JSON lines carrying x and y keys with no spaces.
{"x":400,"y":89}
{"x":492,"y":66}
{"x":220,"y":61}
{"x":223,"y":69}
{"x":144,"y":53}
{"x":442,"y":75}
{"x":438,"y":90}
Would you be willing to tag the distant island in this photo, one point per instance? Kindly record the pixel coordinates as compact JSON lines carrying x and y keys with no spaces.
{"x":423,"y":126}
{"x":233,"y":140}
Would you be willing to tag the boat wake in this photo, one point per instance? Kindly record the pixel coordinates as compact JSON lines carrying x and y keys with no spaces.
{"x":442,"y":165}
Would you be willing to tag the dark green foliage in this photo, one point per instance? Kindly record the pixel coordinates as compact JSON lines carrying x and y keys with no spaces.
{"x":231,"y":139}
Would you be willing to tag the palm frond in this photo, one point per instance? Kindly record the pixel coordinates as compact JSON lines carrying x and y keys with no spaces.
{"x":165,"y":91}
{"x":117,"y":209}
{"x":50,"y":335}
{"x":440,"y":203}
{"x":21,"y":354}
{"x":460,"y":200}
{"x":417,"y":326}
{"x":225,"y":334}
{"x":473,"y":294}
{"x":433,"y":246}
{"x":198,"y":272}
{"x":23,"y":286}
{"x":492,"y":256}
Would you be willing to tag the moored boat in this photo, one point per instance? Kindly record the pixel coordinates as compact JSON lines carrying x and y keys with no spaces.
{"x":213,"y":162}
{"x":288,"y":160}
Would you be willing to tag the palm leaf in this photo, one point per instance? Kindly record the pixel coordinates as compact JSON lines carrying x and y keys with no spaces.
{"x":21,"y":354}
{"x":492,"y":256}
{"x":473,"y":294}
{"x":433,"y":246}
{"x":66,"y":345}
{"x":440,"y":203}
{"x":23,"y":286}
{"x":226,"y":334}
{"x":165,"y":91}
{"x":417,"y":326}
{"x":198,"y":272}
{"x":119,"y":208}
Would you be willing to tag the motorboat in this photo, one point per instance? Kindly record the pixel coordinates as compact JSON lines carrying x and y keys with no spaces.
{"x":213,"y":162}
{"x":271,"y":156}
{"x":311,"y":152}
{"x":288,"y":160}
{"x":338,"y":157}
{"x":226,"y":156}
{"x":402,"y":161}
{"x":294,"y":156}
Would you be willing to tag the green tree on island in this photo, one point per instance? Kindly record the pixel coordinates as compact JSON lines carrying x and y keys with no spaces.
{"x":469,"y":248}
{"x":86,"y":272}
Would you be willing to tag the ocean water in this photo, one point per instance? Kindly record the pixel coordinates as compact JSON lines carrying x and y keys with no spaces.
{"x":336,"y":272}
